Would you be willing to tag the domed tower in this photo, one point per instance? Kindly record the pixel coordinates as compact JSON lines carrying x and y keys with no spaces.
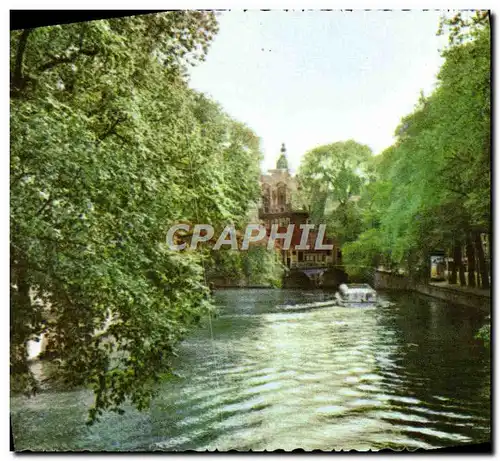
{"x":282,"y":163}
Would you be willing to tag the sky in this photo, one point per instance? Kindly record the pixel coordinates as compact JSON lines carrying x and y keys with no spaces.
{"x":316,"y":77}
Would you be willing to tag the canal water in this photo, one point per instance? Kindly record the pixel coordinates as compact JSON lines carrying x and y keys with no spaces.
{"x":406,"y":376}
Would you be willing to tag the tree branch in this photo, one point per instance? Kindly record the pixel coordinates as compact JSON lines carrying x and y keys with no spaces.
{"x":111,"y":129}
{"x":42,"y":208}
{"x":65,"y":60}
{"x":17,"y":78}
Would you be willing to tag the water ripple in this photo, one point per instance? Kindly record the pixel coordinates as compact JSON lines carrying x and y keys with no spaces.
{"x":331,"y":379}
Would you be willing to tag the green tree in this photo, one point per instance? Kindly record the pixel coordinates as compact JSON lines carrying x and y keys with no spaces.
{"x":331,"y":178}
{"x":109,"y":147}
{"x":434,"y":183}
{"x":333,"y":174}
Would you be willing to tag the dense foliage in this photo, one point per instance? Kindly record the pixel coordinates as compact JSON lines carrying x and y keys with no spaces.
{"x":331,"y":178}
{"x":109,"y":147}
{"x":432,"y":187}
{"x":255,"y":267}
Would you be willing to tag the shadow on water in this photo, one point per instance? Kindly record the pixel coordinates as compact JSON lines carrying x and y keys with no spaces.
{"x":409,"y":375}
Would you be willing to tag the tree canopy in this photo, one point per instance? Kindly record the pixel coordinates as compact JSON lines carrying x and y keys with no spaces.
{"x":331,"y":177}
{"x":109,"y":147}
{"x":432,"y":188}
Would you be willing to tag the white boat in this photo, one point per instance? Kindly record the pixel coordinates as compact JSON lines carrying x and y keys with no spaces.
{"x":359,"y":294}
{"x":349,"y":295}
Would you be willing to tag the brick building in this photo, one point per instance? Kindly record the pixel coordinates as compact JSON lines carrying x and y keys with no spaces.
{"x":281,"y":205}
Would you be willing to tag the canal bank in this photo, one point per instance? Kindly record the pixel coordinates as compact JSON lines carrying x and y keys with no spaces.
{"x":385,"y":280}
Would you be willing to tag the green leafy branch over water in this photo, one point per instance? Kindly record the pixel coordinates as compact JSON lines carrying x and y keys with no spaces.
{"x":109,"y":147}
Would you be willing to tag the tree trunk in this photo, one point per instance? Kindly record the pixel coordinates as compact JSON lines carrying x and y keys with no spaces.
{"x":461,"y":271}
{"x":471,"y":262}
{"x":452,"y":272}
{"x":17,"y":80}
{"x":20,"y":313}
{"x":478,"y":273}
{"x":458,"y":264}
{"x":483,"y":268}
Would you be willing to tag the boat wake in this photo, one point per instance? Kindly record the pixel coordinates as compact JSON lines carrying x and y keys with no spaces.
{"x":354,"y":295}
{"x":307,"y":306}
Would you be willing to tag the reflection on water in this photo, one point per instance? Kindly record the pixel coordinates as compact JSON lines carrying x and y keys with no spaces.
{"x":410,"y":375}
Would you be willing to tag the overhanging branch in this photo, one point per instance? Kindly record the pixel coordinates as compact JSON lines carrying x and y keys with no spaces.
{"x":56,"y":61}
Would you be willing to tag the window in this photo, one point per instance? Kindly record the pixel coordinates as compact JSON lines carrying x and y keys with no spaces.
{"x":281,"y":189}
{"x":266,"y":196}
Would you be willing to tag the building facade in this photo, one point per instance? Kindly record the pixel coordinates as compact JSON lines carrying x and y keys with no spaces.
{"x":281,"y":205}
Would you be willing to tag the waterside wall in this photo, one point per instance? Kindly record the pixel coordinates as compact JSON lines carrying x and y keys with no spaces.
{"x":388,"y":281}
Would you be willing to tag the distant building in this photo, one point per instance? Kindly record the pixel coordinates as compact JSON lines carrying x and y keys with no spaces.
{"x":280,"y":205}
{"x":278,"y":185}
